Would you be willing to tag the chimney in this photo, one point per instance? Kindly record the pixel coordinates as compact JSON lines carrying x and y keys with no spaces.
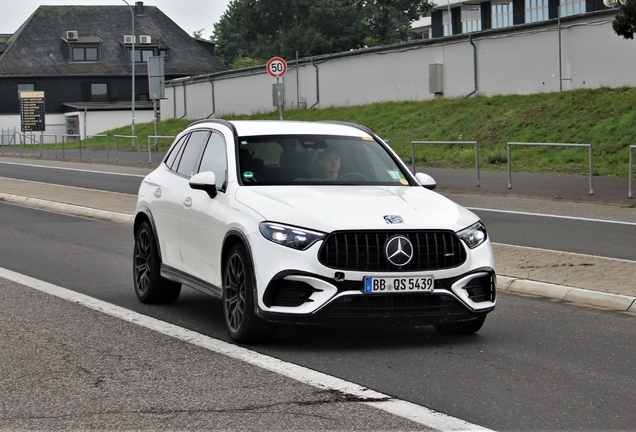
{"x":140,"y":8}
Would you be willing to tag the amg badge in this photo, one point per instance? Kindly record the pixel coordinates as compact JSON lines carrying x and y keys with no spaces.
{"x":393,"y":219}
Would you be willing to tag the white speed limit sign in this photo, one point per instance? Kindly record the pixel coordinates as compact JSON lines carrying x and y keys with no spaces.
{"x":276,"y":67}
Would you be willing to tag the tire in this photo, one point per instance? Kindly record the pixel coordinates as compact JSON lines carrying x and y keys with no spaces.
{"x":150,"y":286}
{"x":461,"y":327}
{"x":241,"y":322}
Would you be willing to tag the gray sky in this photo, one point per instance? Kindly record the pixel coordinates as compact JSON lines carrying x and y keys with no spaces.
{"x":190,"y":15}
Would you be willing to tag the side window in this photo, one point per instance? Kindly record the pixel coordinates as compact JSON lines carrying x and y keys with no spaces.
{"x":215,"y":159}
{"x":192,"y":152}
{"x":176,"y":150}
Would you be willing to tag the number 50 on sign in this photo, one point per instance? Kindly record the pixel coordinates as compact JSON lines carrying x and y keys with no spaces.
{"x":276,"y":67}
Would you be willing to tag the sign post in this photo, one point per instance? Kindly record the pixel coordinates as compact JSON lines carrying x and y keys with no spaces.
{"x":277,"y":67}
{"x":157,"y":86}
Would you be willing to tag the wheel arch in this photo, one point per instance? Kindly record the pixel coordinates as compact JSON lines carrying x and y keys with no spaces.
{"x":145,"y":215}
{"x":232,"y":238}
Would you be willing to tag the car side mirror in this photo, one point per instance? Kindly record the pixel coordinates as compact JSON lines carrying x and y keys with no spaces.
{"x":205,"y":181}
{"x":426,"y":180}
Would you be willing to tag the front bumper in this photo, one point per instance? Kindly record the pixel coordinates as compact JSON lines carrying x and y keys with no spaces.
{"x":293,"y":287}
{"x":454,"y":299}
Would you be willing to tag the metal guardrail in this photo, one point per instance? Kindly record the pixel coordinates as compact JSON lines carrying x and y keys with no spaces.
{"x":42,"y":135}
{"x":156,"y":138}
{"x":23,"y":141}
{"x":11,"y":137}
{"x":589,"y":146}
{"x":134,"y":140}
{"x":88,"y":144}
{"x":64,"y":137}
{"x":472,"y":143}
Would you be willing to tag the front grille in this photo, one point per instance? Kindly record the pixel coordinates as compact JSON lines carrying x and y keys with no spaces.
{"x":364,"y":250}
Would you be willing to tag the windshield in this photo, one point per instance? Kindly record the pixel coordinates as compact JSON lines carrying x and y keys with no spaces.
{"x":316,"y":159}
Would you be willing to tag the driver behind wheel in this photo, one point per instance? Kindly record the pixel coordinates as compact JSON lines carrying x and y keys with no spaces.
{"x":330,"y":162}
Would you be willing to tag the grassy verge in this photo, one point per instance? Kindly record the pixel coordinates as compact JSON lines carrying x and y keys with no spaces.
{"x":603,"y":117}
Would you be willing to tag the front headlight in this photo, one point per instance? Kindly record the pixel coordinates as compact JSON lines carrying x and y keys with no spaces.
{"x":290,"y":236}
{"x":474,"y":235}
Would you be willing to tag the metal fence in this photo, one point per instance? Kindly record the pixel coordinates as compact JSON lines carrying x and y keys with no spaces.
{"x":589,"y":146}
{"x":156,"y":138}
{"x":134,"y":141}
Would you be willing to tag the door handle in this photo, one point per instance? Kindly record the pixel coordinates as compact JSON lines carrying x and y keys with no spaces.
{"x":157,"y":192}
{"x":187,"y":203}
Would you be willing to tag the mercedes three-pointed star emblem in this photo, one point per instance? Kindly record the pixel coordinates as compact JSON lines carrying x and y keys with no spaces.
{"x":399,"y":250}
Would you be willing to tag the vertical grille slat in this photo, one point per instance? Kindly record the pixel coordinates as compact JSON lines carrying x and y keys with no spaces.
{"x":364,"y":250}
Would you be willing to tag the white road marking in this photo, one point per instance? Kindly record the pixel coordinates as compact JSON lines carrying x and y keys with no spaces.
{"x":404,"y":409}
{"x":567,"y":253}
{"x":552,"y":216}
{"x":74,"y":169}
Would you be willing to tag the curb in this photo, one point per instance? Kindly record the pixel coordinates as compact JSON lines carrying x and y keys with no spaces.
{"x":68,"y":209}
{"x":617,"y":302}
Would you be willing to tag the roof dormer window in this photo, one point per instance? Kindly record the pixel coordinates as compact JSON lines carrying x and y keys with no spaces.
{"x":83,"y":49}
{"x":84,"y":54}
{"x":143,"y":52}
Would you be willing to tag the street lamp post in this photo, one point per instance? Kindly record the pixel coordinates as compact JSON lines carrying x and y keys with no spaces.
{"x":132,"y":60}
{"x":560,"y":58}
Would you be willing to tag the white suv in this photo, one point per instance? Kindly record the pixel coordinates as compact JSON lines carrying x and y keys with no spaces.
{"x":307,"y":222}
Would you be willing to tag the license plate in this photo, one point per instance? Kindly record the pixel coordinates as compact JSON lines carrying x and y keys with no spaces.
{"x":398,"y":284}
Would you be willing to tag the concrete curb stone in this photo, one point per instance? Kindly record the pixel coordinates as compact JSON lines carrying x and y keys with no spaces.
{"x":611,"y":301}
{"x":68,"y":209}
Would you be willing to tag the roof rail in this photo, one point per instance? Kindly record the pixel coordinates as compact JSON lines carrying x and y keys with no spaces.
{"x":217,"y":121}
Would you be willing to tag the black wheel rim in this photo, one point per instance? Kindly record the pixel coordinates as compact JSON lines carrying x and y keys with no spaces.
{"x":143,"y":261}
{"x":235,"y":291}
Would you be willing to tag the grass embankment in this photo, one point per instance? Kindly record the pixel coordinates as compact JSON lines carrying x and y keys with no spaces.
{"x":604,"y":117}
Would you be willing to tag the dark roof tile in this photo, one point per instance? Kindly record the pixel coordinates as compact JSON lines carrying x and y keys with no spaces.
{"x":39,"y":47}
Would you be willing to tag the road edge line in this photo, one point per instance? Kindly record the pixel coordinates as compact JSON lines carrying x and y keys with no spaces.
{"x":410,"y":411}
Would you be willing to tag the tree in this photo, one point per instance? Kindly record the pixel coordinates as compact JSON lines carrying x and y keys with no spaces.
{"x":230,"y":45}
{"x":308,"y":26}
{"x":390,"y":20}
{"x":624,"y":23}
{"x":198,"y":34}
{"x":261,"y":29}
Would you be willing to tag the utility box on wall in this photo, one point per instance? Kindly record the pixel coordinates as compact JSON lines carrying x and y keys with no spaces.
{"x":436,"y":78}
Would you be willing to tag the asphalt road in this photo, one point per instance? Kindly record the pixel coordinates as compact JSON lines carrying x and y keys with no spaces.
{"x":576,"y":235}
{"x":536,"y":365}
{"x":112,"y":182}
{"x":607,"y":239}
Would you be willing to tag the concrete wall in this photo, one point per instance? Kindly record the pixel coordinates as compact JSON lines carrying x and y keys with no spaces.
{"x":96,"y":122}
{"x":517,"y":60}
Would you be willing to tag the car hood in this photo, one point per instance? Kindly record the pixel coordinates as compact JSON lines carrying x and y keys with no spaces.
{"x":330,"y":208}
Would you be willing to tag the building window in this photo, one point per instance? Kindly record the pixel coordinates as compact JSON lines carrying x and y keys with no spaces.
{"x":471,"y":19}
{"x":501,"y":13}
{"x":99,"y":92}
{"x":536,"y":10}
{"x":572,"y":7}
{"x":25,"y":87}
{"x":142,"y":54}
{"x":447,"y":23}
{"x":84,"y":54}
